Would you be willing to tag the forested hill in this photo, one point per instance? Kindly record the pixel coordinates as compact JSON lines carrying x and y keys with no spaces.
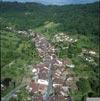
{"x":81,"y":19}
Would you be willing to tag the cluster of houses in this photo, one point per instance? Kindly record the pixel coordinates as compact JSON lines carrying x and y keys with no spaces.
{"x":61,"y":75}
{"x":89,"y":55}
{"x":60,"y":37}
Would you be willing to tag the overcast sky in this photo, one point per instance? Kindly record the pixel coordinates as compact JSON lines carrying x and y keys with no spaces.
{"x":58,"y":2}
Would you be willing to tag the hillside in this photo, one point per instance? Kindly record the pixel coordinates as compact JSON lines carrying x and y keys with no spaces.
{"x":81,"y":19}
{"x":72,"y":29}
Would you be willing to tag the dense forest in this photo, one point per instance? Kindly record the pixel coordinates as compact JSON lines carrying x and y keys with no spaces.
{"x":79,"y":21}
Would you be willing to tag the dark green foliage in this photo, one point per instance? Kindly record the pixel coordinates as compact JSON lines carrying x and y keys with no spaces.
{"x":73,"y":50}
{"x":83,"y":85}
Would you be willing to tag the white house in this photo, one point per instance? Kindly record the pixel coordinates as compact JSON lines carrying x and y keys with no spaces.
{"x":71,"y":66}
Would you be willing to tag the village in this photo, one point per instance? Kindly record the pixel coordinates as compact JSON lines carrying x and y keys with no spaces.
{"x":53,"y":78}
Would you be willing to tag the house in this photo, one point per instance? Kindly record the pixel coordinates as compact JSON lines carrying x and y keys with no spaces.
{"x":71,"y":65}
{"x":92,"y":52}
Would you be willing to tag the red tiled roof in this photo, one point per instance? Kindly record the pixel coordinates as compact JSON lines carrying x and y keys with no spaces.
{"x":43,"y":71}
{"x":37,"y":87}
{"x":42,"y":87}
{"x":34,"y":86}
{"x":41,"y":65}
{"x":58,"y":80}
